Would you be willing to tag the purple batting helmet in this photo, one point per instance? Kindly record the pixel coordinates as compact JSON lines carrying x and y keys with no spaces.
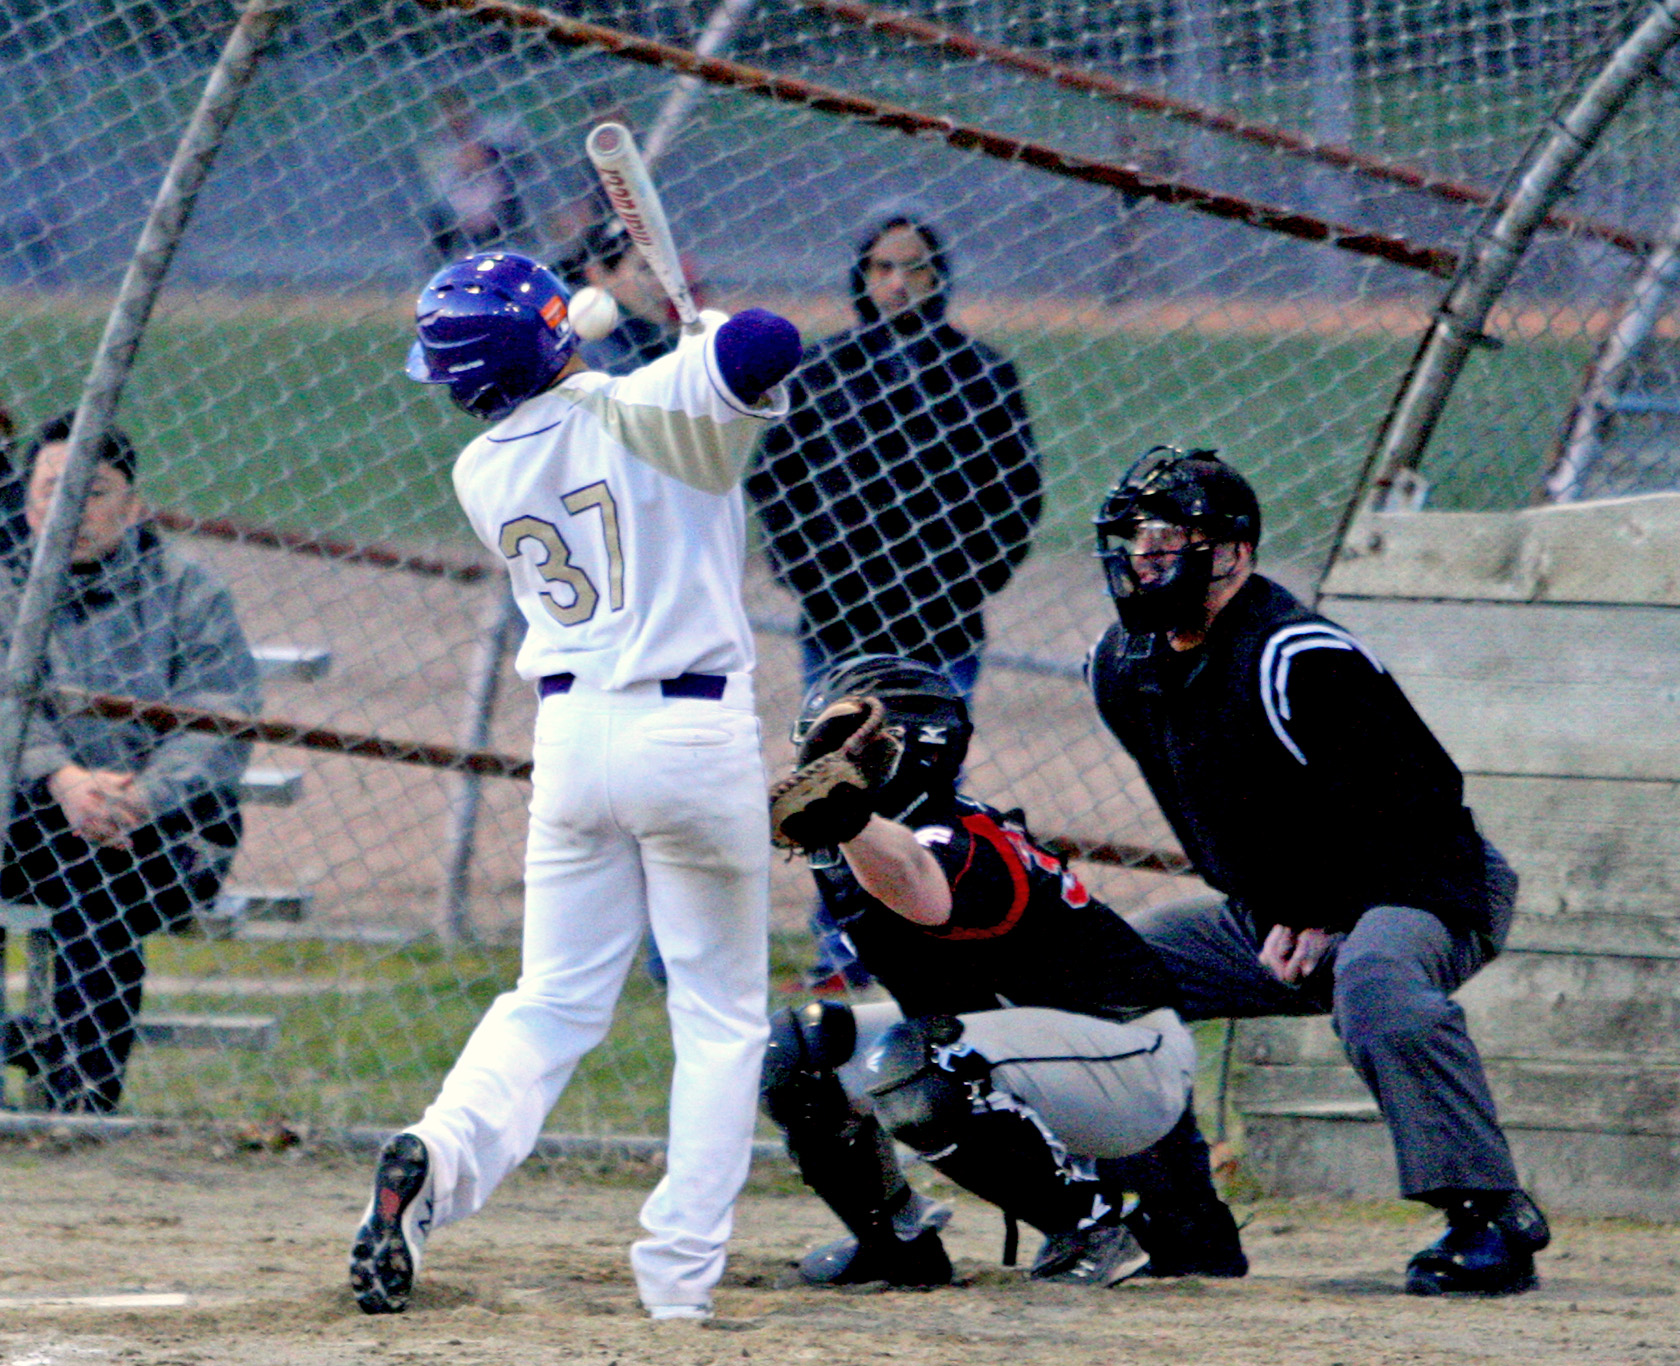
{"x":493,"y":327}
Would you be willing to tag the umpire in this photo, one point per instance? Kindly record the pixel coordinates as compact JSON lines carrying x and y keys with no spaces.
{"x":1030,"y":1051}
{"x":1265,"y":730}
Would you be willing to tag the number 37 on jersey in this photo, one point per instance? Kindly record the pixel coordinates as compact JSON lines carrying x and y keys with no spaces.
{"x":567,"y":592}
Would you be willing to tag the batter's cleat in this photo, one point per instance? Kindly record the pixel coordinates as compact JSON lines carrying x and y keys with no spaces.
{"x":1097,"y":1256}
{"x":1488,"y":1248}
{"x":385,"y":1257}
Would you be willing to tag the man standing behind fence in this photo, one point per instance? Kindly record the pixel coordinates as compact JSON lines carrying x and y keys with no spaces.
{"x":605,"y":257}
{"x":903,"y":488}
{"x":615,"y":502}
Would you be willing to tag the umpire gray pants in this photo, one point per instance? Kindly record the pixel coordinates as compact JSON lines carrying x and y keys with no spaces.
{"x":1387,"y":985}
{"x":1103,"y":1089}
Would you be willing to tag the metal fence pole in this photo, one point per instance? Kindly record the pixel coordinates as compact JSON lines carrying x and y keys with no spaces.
{"x":25,"y":666}
{"x":1494,"y":256}
{"x":495,"y":642}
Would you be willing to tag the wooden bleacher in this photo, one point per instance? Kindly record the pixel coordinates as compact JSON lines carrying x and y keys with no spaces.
{"x":234,"y":907}
{"x":1543,"y":647}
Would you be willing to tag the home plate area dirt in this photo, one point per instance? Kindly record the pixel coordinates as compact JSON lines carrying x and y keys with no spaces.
{"x":165,"y":1251}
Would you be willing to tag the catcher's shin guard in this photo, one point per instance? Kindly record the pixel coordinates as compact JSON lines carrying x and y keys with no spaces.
{"x":843,"y":1156}
{"x":935,"y":1094}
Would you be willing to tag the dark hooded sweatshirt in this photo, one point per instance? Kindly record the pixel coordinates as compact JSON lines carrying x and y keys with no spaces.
{"x":903,"y":487}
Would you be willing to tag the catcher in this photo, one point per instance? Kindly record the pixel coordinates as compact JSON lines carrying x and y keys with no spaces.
{"x":1030,"y":1052}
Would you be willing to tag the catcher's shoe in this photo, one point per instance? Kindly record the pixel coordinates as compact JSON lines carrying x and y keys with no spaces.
{"x":385,"y":1257}
{"x":1488,"y":1248}
{"x":1195,"y":1242}
{"x":1097,"y":1255}
{"x":915,"y":1265}
{"x":914,"y":1259}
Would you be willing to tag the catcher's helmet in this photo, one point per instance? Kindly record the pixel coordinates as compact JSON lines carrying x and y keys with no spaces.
{"x":493,"y":327}
{"x":923,"y":709}
{"x":1154,"y":577}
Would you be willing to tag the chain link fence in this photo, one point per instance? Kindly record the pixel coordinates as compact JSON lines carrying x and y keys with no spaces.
{"x":1198,"y":222}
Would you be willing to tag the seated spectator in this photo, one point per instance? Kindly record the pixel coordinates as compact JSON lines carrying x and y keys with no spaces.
{"x":119,"y":830}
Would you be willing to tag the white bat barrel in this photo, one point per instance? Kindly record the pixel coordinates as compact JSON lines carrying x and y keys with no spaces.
{"x":630,"y":191}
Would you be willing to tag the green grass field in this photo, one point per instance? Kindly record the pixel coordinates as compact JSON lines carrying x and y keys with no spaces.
{"x":369,"y":1034}
{"x":306,"y":422}
{"x":1297,"y":414}
{"x":366,"y":1034}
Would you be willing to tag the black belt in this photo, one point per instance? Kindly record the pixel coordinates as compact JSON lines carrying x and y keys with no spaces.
{"x":708,"y":686}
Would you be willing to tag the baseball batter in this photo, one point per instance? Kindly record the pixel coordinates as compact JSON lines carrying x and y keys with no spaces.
{"x":614,"y":503}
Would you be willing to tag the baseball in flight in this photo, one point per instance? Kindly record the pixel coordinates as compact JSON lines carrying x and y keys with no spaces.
{"x":593,"y":313}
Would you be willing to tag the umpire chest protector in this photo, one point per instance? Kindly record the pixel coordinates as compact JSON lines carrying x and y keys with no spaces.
{"x":1305,"y":808}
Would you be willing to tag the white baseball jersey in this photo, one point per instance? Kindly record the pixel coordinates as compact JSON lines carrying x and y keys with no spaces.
{"x":617,"y":502}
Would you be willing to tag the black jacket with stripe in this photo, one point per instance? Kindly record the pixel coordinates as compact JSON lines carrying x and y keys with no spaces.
{"x":1023,"y":931}
{"x":1297,"y":777}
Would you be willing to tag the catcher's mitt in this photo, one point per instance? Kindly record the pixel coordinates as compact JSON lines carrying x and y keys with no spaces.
{"x":827,"y":799}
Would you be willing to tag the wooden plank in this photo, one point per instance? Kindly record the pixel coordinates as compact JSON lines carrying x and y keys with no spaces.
{"x":256,"y":1033}
{"x":1617,"y":550}
{"x":1347,"y":1156}
{"x":1525,"y":1005}
{"x":294,"y":663}
{"x":17,"y":917}
{"x":1536,"y":690}
{"x":1599,"y":859}
{"x":1615,"y":1096}
{"x":263,"y":903}
{"x":1345,"y":1153}
{"x":270,"y":786}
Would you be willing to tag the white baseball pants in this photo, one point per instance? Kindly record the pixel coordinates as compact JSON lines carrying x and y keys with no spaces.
{"x":645,"y":811}
{"x":1103,"y":1088}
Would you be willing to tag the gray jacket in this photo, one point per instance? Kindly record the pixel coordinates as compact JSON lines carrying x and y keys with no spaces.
{"x":145,"y":622}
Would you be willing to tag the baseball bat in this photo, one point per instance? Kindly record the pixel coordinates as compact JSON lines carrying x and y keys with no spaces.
{"x":630,"y":191}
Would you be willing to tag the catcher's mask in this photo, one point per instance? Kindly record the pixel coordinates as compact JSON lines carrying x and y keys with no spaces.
{"x":1159,"y":528}
{"x":493,"y":327}
{"x":923,"y":709}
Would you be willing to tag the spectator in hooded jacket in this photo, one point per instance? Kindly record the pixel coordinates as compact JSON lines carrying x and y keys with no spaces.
{"x":902,"y":489}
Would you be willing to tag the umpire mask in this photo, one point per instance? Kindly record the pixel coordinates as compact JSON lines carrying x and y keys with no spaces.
{"x":1159,"y":531}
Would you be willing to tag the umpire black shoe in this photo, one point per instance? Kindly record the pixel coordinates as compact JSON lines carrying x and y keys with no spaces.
{"x":385,"y":1257}
{"x":1488,"y":1248}
{"x":1097,"y":1256}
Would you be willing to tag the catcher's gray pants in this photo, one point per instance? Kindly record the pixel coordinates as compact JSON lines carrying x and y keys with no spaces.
{"x":1103,"y":1089}
{"x":1387,"y":986}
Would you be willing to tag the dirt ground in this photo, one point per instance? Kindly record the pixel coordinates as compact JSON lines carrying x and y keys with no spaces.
{"x":236,"y":1257}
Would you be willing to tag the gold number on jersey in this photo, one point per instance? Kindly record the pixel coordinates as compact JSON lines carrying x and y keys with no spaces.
{"x":598,"y":495}
{"x":555,"y":567}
